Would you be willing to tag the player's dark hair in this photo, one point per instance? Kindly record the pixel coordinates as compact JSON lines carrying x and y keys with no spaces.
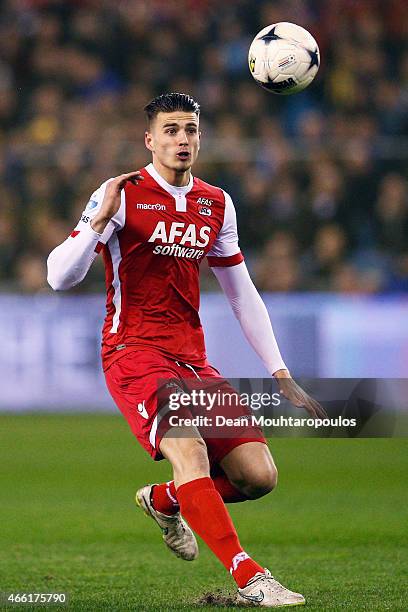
{"x":170,"y":102}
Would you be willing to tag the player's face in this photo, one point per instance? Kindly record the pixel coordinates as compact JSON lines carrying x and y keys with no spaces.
{"x":174,"y":140}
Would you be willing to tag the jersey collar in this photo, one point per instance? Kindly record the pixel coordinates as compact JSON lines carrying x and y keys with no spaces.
{"x":172,"y":189}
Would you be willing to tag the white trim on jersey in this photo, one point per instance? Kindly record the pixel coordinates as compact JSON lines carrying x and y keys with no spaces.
{"x":178,"y":193}
{"x":114,"y":249}
{"x":226,"y":242}
{"x":116,"y":256}
{"x":153,"y":430}
{"x":156,"y":421}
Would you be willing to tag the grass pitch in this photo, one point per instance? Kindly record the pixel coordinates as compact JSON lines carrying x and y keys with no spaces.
{"x":334,"y":530}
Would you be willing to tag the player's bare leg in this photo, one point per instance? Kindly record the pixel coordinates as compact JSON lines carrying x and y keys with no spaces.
{"x":251,"y":469}
{"x":187,"y":453}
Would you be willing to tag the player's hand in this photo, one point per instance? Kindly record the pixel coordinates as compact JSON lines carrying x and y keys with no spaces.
{"x":299,"y":398}
{"x":111,"y":200}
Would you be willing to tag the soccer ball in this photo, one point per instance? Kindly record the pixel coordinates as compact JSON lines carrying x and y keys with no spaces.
{"x":284,"y":58}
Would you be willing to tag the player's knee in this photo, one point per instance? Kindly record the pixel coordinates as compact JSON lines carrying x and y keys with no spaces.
{"x":260,"y":483}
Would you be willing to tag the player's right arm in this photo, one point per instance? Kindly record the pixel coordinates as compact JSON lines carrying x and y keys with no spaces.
{"x":69,"y":262}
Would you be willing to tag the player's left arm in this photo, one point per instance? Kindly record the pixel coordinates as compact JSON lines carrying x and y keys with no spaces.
{"x":253,"y":317}
{"x":230,"y":269}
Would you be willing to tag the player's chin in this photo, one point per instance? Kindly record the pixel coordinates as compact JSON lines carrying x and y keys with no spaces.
{"x":184,"y":164}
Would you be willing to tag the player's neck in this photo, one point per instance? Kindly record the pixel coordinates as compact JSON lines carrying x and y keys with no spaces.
{"x":172,"y":177}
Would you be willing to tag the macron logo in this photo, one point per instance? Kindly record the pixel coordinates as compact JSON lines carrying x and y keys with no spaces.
{"x":157,"y":206}
{"x":141,"y":408}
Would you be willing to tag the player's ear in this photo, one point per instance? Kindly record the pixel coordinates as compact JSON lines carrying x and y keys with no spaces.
{"x":149,"y":140}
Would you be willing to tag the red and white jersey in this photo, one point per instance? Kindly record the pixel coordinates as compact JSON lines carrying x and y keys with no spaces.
{"x":152,"y":250}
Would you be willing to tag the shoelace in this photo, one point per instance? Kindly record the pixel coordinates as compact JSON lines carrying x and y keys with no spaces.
{"x":179,"y":529}
{"x":277,"y":586}
{"x":170,"y":520}
{"x":175,"y":535}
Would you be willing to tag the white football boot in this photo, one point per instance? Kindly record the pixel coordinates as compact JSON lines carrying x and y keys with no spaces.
{"x":176,"y":533}
{"x":264,"y":590}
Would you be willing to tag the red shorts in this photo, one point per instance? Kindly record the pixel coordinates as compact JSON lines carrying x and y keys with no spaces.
{"x":141,"y":382}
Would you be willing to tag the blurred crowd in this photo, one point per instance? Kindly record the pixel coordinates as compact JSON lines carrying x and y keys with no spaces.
{"x":319,"y":179}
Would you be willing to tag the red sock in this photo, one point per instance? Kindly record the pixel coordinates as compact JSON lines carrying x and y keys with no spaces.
{"x":164,"y":496}
{"x":228,"y":492}
{"x":202,"y":506}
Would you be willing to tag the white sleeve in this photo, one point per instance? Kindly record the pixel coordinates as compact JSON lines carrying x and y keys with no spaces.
{"x":251,"y":313}
{"x":225,"y":250}
{"x":69,"y":262}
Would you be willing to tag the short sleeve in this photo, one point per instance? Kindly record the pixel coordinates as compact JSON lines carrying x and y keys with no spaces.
{"x":92,"y":209}
{"x":225,"y":251}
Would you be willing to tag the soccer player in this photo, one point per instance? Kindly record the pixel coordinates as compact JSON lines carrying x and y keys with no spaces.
{"x":154,"y":227}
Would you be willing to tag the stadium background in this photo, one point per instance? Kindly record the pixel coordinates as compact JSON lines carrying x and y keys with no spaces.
{"x":320,"y":185}
{"x":319,"y":180}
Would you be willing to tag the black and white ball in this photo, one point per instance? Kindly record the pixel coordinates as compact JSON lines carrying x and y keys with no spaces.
{"x":284,"y":58}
